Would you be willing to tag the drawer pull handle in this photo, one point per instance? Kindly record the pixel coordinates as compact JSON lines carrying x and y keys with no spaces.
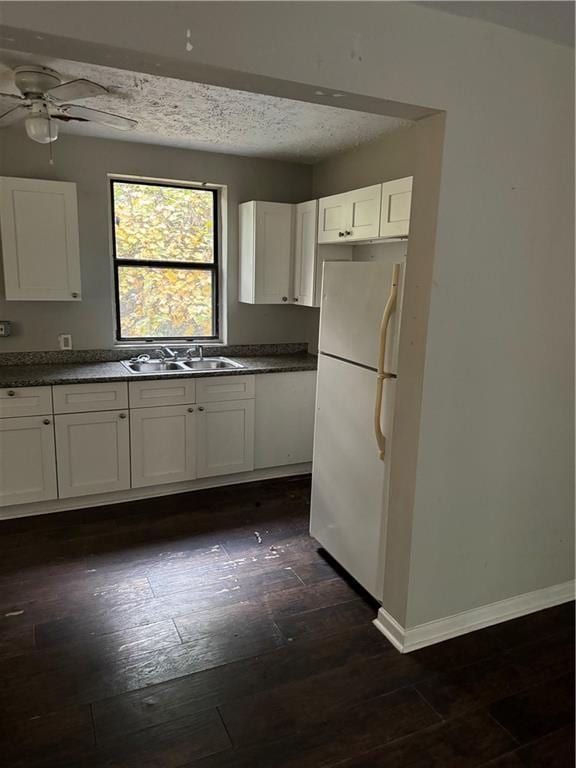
{"x":46,"y":421}
{"x":190,"y":410}
{"x":200,"y":407}
{"x":122,"y":415}
{"x":11,"y":393}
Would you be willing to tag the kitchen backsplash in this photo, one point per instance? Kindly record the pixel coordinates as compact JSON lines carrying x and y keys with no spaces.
{"x":125,"y":353}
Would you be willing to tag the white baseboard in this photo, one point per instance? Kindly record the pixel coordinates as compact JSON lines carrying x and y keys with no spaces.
{"x":135,"y":494}
{"x":406,"y":640}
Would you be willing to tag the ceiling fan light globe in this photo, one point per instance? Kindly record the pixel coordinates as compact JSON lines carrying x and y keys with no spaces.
{"x":41,"y":129}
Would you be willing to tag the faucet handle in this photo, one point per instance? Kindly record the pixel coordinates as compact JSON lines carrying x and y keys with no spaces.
{"x":192,"y":351}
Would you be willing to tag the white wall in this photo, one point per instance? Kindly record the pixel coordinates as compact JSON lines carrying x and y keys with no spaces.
{"x":87,"y":161}
{"x":493,"y":504}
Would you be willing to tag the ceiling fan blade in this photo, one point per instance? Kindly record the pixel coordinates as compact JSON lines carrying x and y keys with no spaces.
{"x":13,"y":96}
{"x":13,"y":115}
{"x":96,"y":116}
{"x":77,"y":89}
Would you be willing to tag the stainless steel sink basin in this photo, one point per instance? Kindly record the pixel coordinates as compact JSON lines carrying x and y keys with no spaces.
{"x":211,"y":364}
{"x":153,"y":366}
{"x":181,"y":366}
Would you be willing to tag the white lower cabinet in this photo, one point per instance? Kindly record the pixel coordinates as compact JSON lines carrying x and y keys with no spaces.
{"x":225,"y":438}
{"x":93,"y":452}
{"x":27,"y":460}
{"x":284,"y":429}
{"x":240,"y":423}
{"x":163,"y":445}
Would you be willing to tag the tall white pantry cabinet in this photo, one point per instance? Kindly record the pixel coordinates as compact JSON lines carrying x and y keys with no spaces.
{"x":40,"y":246}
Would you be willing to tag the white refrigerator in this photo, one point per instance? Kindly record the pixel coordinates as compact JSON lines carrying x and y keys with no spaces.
{"x":357,"y":368}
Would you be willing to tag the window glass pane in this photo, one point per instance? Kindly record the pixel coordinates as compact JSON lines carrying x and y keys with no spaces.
{"x":165,"y":303}
{"x":153,"y":222}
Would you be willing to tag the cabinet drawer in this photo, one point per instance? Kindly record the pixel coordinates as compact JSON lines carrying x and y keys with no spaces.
{"x":25,"y":401}
{"x":80,"y":398}
{"x":145,"y":394}
{"x":224,"y":388}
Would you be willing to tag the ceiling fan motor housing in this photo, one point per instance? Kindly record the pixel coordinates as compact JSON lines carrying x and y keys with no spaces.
{"x":35,"y":81}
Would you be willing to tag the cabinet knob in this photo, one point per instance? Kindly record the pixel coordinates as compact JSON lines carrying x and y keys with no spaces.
{"x":340,"y":234}
{"x":200,"y":407}
{"x":295,"y":298}
{"x":11,"y":393}
{"x":74,"y":295}
{"x":122,"y":415}
{"x":190,"y":410}
{"x":348,"y":232}
{"x":46,"y":421}
{"x":284,"y":298}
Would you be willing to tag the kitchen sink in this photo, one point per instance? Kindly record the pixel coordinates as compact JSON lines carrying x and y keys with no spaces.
{"x":180,"y":366}
{"x":211,"y":364}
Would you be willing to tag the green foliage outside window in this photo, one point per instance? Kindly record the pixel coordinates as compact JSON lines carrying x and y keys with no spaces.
{"x":172,"y":229}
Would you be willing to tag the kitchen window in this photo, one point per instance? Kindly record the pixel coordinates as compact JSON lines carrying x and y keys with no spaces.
{"x":165,"y":250}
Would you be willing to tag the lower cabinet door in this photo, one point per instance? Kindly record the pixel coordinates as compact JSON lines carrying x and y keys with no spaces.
{"x":93,"y":452}
{"x":225,"y":437}
{"x":27,"y":460}
{"x":163,"y":442}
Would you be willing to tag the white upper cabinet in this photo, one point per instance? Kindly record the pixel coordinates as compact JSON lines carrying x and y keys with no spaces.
{"x":333,"y":218}
{"x":265,"y":252}
{"x":396,"y":205}
{"x":364,"y":211}
{"x":350,"y":216}
{"x":305,"y":253}
{"x":39,"y":230}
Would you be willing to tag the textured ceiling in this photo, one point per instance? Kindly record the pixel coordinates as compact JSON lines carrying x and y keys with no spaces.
{"x":207,"y":117}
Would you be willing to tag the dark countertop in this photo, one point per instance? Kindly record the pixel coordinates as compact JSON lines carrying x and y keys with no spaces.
{"x":84,"y":373}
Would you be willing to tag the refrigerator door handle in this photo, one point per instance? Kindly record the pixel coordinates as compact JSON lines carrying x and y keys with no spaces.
{"x":381,"y":374}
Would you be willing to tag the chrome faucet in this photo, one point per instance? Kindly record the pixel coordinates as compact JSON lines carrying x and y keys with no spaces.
{"x":167,"y":353}
{"x":196,"y":350}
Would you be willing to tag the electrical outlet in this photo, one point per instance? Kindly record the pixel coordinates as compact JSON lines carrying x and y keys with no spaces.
{"x":65,"y":341}
{"x":5,"y":328}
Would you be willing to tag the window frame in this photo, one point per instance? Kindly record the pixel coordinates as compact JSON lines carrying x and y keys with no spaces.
{"x":213,"y":267}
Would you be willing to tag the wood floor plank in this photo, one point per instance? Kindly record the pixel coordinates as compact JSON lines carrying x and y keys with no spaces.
{"x":145,"y":634}
{"x":358,"y":730}
{"x":456,"y":691}
{"x":26,"y":743}
{"x":538,"y":711}
{"x":465,"y":742}
{"x":216,"y":686}
{"x":323,"y":622}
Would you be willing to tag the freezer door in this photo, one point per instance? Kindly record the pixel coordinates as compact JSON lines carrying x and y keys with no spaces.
{"x":349,"y":481}
{"x":354,"y":295}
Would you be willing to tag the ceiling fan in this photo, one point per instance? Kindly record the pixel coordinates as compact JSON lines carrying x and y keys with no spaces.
{"x":43,"y":102}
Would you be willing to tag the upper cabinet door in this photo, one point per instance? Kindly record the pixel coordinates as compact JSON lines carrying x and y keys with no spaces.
{"x":364,"y":213}
{"x":396,"y":204}
{"x":305,"y":253}
{"x":333,"y":218}
{"x":266,"y":252}
{"x":350,"y":216}
{"x":39,"y":229}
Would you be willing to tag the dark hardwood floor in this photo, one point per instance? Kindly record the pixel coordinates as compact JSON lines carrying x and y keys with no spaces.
{"x":205,"y":630}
